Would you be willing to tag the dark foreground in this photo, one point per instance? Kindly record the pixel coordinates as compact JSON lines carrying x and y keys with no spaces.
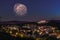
{"x":4,"y":36}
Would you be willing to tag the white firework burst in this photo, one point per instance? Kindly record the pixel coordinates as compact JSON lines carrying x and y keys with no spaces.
{"x":20,"y":9}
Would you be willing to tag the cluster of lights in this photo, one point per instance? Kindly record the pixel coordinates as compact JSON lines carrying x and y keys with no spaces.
{"x":41,"y":30}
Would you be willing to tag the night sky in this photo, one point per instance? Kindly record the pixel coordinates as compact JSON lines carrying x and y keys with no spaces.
{"x":37,"y":10}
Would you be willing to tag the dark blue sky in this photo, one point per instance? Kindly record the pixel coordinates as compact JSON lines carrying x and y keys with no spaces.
{"x":37,"y":10}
